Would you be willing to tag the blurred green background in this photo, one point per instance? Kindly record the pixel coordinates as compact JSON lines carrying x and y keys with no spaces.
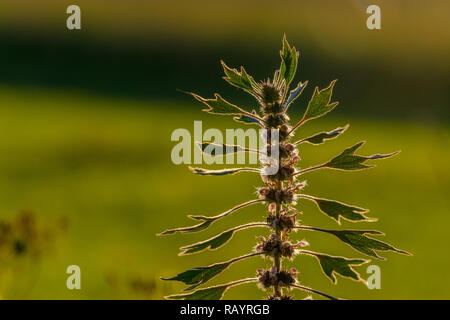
{"x":86,"y":119}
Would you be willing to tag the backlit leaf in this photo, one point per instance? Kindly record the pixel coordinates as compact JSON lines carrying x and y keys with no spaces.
{"x":336,"y":210}
{"x":218,"y":105}
{"x":347,"y":160}
{"x":244,"y":118}
{"x":294,"y":94}
{"x":211,"y":244}
{"x":320,"y":138}
{"x":359,"y":241}
{"x":222,"y":172}
{"x":332,"y":265}
{"x":289,"y":60}
{"x":214,"y":149}
{"x":199,"y":275}
{"x":320,"y":103}
{"x":211,"y":293}
{"x":239,"y":79}
{"x":207,"y":221}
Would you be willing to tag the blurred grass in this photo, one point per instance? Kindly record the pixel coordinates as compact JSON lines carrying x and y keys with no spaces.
{"x":105,"y":164}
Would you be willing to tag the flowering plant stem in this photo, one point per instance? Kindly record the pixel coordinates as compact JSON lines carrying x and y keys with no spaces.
{"x":281,"y":191}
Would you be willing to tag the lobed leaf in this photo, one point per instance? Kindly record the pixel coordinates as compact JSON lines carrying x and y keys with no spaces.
{"x":332,"y":265}
{"x":218,"y":105}
{"x":320,"y":103}
{"x":239,"y":79}
{"x":336,"y":210}
{"x":320,"y":138}
{"x":347,"y":160}
{"x":222,"y":172}
{"x":358,"y":240}
{"x":199,"y":275}
{"x":289,"y":62}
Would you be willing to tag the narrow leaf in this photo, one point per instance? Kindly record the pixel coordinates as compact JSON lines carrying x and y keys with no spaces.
{"x":212,"y":293}
{"x":207,"y":221}
{"x":332,"y":265}
{"x":320,"y":138}
{"x":211,"y":244}
{"x":222,"y":172}
{"x":217,"y":241}
{"x":199,"y":275}
{"x":320,"y":103}
{"x":348,"y":160}
{"x":359,"y":241}
{"x":215,"y":149}
{"x":294,"y":94}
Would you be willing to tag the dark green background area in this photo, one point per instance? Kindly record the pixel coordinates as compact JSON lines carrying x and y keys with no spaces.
{"x":87,"y":115}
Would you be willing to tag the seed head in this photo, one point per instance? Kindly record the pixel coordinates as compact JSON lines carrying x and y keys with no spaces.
{"x":270,"y":93}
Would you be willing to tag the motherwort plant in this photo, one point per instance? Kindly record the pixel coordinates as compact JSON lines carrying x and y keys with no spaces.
{"x":281,"y":190}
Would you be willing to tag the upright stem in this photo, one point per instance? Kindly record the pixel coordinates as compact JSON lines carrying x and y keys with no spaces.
{"x":277,"y":258}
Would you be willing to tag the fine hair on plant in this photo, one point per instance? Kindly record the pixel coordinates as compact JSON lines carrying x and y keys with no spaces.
{"x":281,"y":191}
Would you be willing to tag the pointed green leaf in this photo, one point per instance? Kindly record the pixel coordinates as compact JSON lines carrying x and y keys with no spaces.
{"x":211,"y":293}
{"x":222,"y":172}
{"x":320,"y":138}
{"x":289,"y":61}
{"x":218,"y":105}
{"x":200,"y":275}
{"x":240,"y":79}
{"x":336,"y":210}
{"x":207,"y":221}
{"x":347,"y":160}
{"x":320,"y":103}
{"x":214,"y":149}
{"x":294,"y":94}
{"x":219,"y":240}
{"x":359,"y":241}
{"x":332,"y":265}
{"x":211,"y":244}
